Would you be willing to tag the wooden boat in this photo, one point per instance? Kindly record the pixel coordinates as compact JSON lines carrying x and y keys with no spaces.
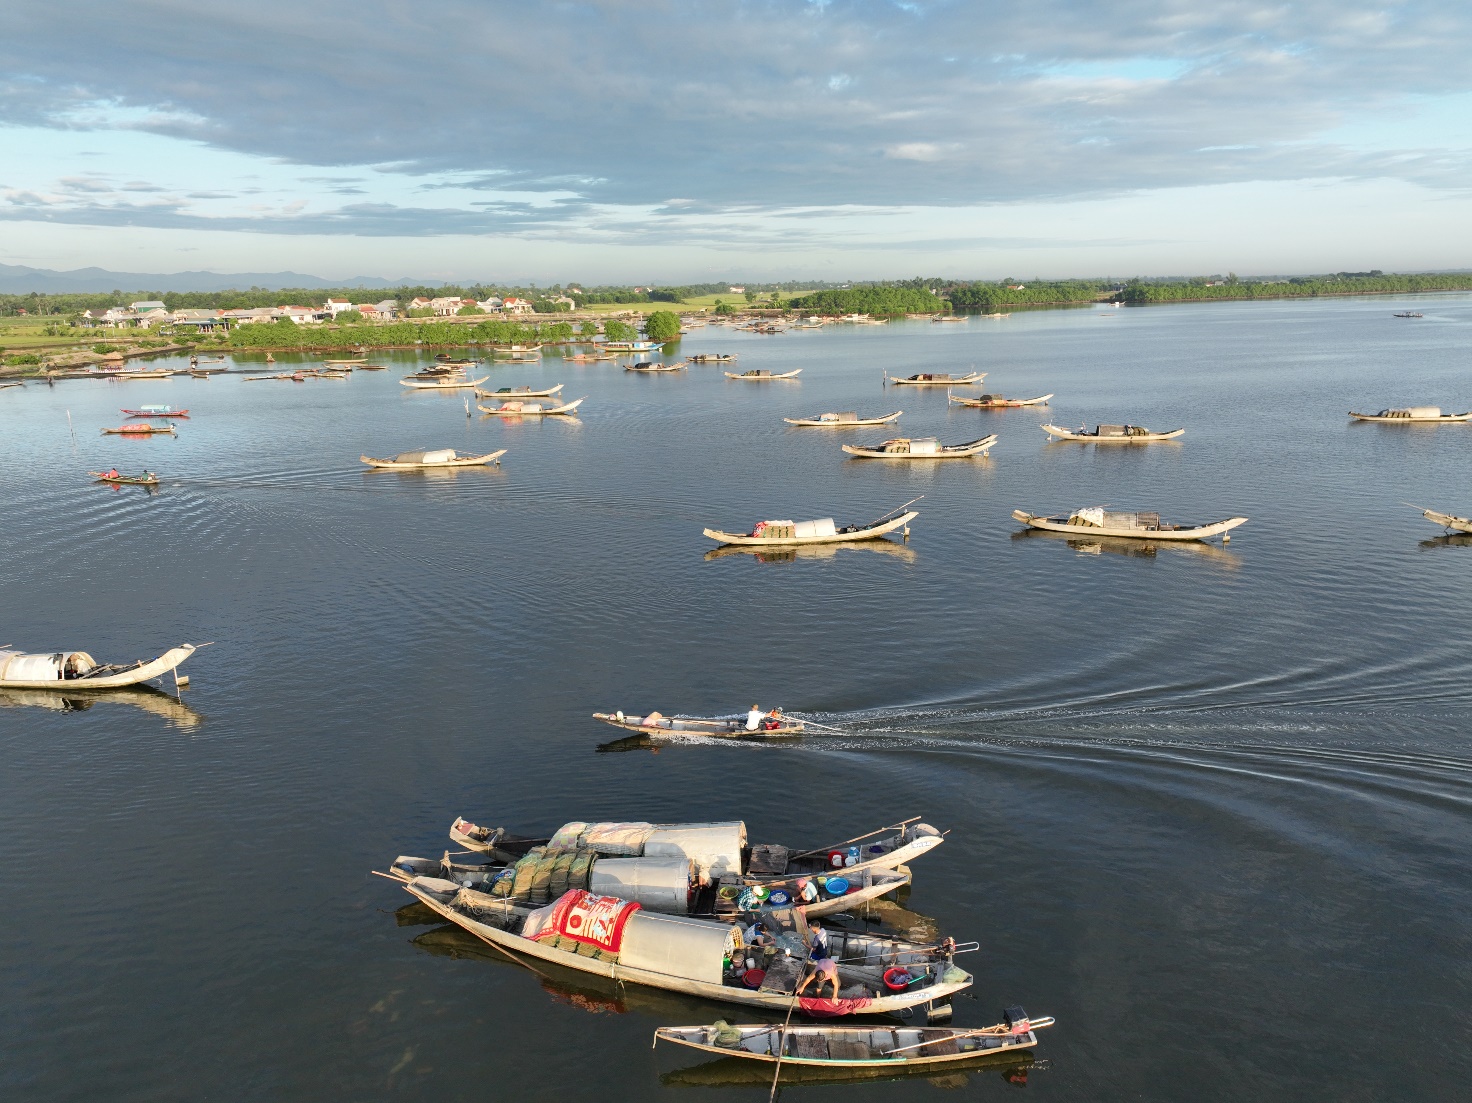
{"x":518,"y":392}
{"x":824,"y":531}
{"x":652,"y":366}
{"x":518,"y":408}
{"x":138,"y":429}
{"x":372,"y":367}
{"x":77,"y":669}
{"x":609,"y":937}
{"x":517,"y":357}
{"x":936,"y":379}
{"x":589,"y":358}
{"x":442,"y":384}
{"x":199,"y":374}
{"x":1407,"y":314}
{"x":860,"y":1049}
{"x":361,"y":360}
{"x":949,"y":318}
{"x":507,"y":348}
{"x":1413,"y":415}
{"x":293,"y":376}
{"x":1449,"y":521}
{"x":205,"y":373}
{"x":846,"y":420}
{"x":676,"y":878}
{"x":760,"y":375}
{"x":4,"y":385}
{"x":442,"y":457}
{"x":658,"y":724}
{"x":631,"y":346}
{"x":1112,"y":434}
{"x":148,"y":478}
{"x":721,"y":847}
{"x":156,"y":411}
{"x":1097,"y":521}
{"x":194,"y":360}
{"x":158,"y":373}
{"x":711,"y":358}
{"x":997,"y":402}
{"x":923,"y":448}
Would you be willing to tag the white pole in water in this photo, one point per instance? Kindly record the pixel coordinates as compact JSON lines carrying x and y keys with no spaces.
{"x":70,"y":428}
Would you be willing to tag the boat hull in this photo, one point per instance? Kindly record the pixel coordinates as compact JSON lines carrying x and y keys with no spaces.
{"x":424,"y":385}
{"x":950,"y":452}
{"x":760,"y":1035}
{"x":1055,"y":431}
{"x":1448,"y":520}
{"x":1444,"y":419}
{"x":871,"y":533}
{"x":721,"y":729}
{"x":816,"y":423}
{"x":459,"y":461}
{"x":762,"y":378}
{"x":1056,"y":524}
{"x":142,"y":673}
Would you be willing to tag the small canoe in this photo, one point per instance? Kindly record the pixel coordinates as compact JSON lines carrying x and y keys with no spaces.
{"x":148,"y":478}
{"x":1449,"y":521}
{"x":860,"y":1047}
{"x":1098,"y":521}
{"x":784,"y":533}
{"x":846,"y":420}
{"x":138,"y":429}
{"x":518,"y":392}
{"x":4,"y":385}
{"x":758,"y":375}
{"x":443,"y":457}
{"x":712,"y":358}
{"x":997,"y":402}
{"x":650,"y":366}
{"x":949,"y":318}
{"x":1113,"y":434}
{"x":1413,"y":415}
{"x":923,"y":448}
{"x":519,"y":408}
{"x":1407,"y":314}
{"x":364,"y":360}
{"x":194,"y":360}
{"x":156,"y":411}
{"x":442,"y":384}
{"x":936,"y":379}
{"x":158,"y":374}
{"x":78,"y":670}
{"x":372,"y":367}
{"x":518,"y":357}
{"x":694,"y":725}
{"x":589,"y":358}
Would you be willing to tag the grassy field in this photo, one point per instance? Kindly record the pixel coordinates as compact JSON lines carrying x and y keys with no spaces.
{"x":29,"y":335}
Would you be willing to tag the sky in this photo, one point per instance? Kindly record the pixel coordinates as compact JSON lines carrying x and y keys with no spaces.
{"x":604,"y":142}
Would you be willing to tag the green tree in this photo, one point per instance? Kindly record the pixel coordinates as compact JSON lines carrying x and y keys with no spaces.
{"x":662,"y":325}
{"x":348,"y":317}
{"x":617,"y":331}
{"x":724,"y":308}
{"x":469,"y":311}
{"x":588,"y":329}
{"x":750,"y":296}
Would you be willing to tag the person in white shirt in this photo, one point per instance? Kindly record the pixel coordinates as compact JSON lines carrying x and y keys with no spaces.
{"x":754,"y":718}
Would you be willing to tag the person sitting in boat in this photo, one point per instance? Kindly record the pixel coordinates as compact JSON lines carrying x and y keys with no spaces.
{"x":754,"y":718}
{"x":113,"y":474}
{"x":654,"y":720}
{"x":773,"y":721}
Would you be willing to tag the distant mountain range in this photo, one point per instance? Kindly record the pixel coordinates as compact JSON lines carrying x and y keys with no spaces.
{"x":17,"y":279}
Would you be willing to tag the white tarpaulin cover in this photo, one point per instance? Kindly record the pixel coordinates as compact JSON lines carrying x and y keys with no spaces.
{"x":804,"y":530}
{"x":439,"y":455}
{"x":1424,"y":411}
{"x":1093,"y":515}
{"x":617,"y":839}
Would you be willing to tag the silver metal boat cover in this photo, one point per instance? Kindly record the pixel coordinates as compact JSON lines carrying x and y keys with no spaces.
{"x":715,"y":848}
{"x":677,"y":946}
{"x":659,"y":883}
{"x":18,"y":667}
{"x":924,"y":446}
{"x":439,"y":455}
{"x":804,"y":530}
{"x":1421,"y":411}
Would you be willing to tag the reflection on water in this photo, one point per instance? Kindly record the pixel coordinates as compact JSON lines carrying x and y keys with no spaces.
{"x":736,"y":1072}
{"x":1449,"y":540}
{"x":154,"y":701}
{"x":882,"y":546}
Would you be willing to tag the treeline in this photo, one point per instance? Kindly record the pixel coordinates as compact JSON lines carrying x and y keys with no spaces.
{"x":1340,"y":284}
{"x":870,"y":300}
{"x":989,"y":296}
{"x":285,"y":334}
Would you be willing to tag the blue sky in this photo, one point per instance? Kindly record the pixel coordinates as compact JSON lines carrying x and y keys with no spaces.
{"x":777,"y":139}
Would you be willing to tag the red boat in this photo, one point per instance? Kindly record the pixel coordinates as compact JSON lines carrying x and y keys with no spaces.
{"x":157,"y":411}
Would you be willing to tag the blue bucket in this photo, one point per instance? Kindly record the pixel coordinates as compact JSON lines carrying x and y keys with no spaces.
{"x":836,"y":886}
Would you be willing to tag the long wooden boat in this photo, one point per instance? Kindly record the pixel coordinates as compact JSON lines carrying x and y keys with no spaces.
{"x":506,"y":348}
{"x":197,"y":360}
{"x":824,"y":531}
{"x":935,"y":379}
{"x":140,"y":430}
{"x":157,"y":373}
{"x":518,"y":392}
{"x":760,"y":375}
{"x":589,"y":358}
{"x":79,"y":670}
{"x":651,"y":366}
{"x":860,"y":1049}
{"x":517,"y":357}
{"x":148,"y":478}
{"x":923,"y":448}
{"x":609,"y":937}
{"x":1113,"y":434}
{"x":291,"y":376}
{"x":1413,"y":415}
{"x":949,"y":318}
{"x":1449,"y":521}
{"x":631,"y":346}
{"x":1097,"y":521}
{"x":997,"y":402}
{"x":442,"y":385}
{"x":3,"y":385}
{"x":361,"y":360}
{"x":712,"y":358}
{"x":156,"y":411}
{"x":846,"y":420}
{"x":721,"y":847}
{"x":658,"y":724}
{"x":519,"y":408}
{"x":372,"y":367}
{"x":443,"y":457}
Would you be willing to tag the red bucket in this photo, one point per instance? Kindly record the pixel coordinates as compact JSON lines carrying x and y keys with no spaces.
{"x":897,"y":979}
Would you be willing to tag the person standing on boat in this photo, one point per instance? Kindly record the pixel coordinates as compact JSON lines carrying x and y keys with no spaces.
{"x":754,"y":718}
{"x":824,"y":968}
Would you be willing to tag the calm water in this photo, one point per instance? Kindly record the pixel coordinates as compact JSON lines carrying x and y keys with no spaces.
{"x":1210,"y":807}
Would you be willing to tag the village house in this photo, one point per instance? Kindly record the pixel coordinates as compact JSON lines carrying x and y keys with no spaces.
{"x":572,"y":304}
{"x":302,"y":315}
{"x":147,"y":306}
{"x":489,"y":304}
{"x":736,"y":290}
{"x":447,"y":305}
{"x":250,"y":315}
{"x":388,"y":308}
{"x":335,"y":307}
{"x":512,"y":305}
{"x":155,"y":316}
{"x":200,"y":320}
{"x":419,"y":303}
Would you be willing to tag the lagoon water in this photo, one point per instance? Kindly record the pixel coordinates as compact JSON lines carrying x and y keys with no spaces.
{"x":1209,"y":806}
